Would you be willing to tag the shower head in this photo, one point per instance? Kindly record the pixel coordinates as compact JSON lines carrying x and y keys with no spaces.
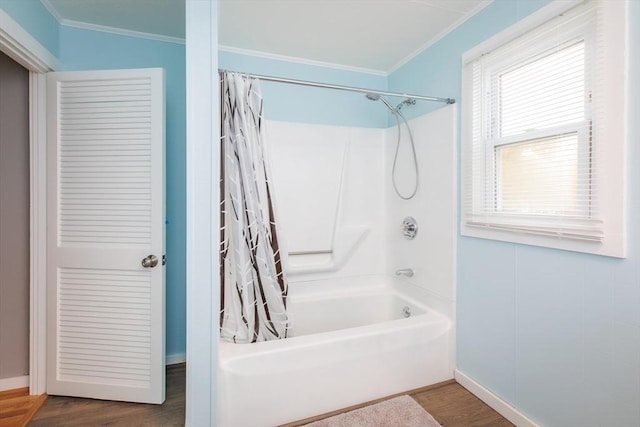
{"x":376,"y":97}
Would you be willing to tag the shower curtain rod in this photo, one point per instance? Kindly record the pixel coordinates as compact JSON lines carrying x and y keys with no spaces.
{"x":347,"y":88}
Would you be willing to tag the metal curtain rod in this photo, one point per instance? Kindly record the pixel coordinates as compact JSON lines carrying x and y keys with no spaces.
{"x":347,"y":88}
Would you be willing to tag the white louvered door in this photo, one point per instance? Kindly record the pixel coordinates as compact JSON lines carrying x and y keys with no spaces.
{"x":105,"y":214}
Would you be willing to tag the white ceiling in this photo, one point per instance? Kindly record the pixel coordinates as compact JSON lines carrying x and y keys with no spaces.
{"x":376,"y":35}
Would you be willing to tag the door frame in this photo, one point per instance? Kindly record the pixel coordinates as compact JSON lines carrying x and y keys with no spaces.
{"x":202,"y":196}
{"x":203,"y":160}
{"x":20,"y":46}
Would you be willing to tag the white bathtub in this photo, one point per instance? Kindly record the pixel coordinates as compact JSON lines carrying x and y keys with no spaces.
{"x":350,"y":343}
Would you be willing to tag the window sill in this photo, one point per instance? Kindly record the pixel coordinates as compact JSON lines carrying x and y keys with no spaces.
{"x":611,"y":245}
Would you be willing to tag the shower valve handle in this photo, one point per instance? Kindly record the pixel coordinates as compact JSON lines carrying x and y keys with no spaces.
{"x":409,"y":228}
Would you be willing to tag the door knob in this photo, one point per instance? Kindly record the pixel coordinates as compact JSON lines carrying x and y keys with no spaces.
{"x":149,"y":261}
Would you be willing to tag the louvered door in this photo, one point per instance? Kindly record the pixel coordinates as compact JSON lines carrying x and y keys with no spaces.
{"x":105,"y":219}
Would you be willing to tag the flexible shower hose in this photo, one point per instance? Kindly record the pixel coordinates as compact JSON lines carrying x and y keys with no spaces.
{"x":396,"y":114}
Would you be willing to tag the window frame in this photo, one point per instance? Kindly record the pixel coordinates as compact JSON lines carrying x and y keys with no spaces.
{"x":610,"y":180}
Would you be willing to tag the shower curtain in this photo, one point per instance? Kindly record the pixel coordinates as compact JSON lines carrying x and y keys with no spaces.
{"x":254,"y":288}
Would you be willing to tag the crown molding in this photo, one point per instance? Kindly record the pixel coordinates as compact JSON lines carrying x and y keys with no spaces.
{"x":121,"y":31}
{"x":52,"y":10}
{"x":303,"y":61}
{"x":107,"y":29}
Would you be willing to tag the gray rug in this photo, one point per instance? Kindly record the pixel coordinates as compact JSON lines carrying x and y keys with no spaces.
{"x":400,"y":411}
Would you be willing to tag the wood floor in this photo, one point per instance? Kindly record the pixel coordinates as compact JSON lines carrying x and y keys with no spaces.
{"x":17,"y":407}
{"x":453,"y":405}
{"x":76,"y":412}
{"x":448,"y":402}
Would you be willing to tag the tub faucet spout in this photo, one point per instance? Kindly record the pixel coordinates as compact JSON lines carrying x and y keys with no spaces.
{"x":405,"y":272}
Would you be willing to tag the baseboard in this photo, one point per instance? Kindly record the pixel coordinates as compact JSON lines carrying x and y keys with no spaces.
{"x":174,"y":359}
{"x":499,"y":405}
{"x":13,"y":383}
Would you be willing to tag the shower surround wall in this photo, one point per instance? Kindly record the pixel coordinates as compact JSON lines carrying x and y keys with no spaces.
{"x":330,"y":202}
{"x":339,"y":216}
{"x":431,"y":254}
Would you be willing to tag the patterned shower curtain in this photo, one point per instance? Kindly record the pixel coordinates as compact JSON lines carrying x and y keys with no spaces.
{"x":254,"y":289}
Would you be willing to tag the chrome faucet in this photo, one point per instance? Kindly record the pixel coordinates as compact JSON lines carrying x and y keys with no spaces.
{"x":405,"y":272}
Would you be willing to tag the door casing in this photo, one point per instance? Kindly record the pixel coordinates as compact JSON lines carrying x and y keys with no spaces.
{"x":19,"y":45}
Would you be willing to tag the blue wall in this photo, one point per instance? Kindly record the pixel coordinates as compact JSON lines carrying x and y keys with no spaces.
{"x":36,"y":20}
{"x":555,"y":333}
{"x":93,"y":50}
{"x":437,"y":71}
{"x":293,"y":103}
{"x":79,"y":49}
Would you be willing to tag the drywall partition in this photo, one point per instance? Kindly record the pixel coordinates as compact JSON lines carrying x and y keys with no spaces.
{"x":554,"y":334}
{"x":203,"y":281}
{"x":14,"y":224}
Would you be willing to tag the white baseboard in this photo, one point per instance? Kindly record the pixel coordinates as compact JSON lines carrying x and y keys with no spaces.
{"x":13,"y":383}
{"x":499,"y":405}
{"x":174,"y":359}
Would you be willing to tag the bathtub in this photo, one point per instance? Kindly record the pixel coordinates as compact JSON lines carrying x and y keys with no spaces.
{"x":351,"y":341}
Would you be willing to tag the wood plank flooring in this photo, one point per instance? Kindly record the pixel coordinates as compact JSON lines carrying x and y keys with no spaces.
{"x":17,"y":407}
{"x":76,"y":412}
{"x":448,"y":402}
{"x":453,"y":405}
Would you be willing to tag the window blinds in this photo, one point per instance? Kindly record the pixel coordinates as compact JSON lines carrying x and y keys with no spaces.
{"x":533,"y":155}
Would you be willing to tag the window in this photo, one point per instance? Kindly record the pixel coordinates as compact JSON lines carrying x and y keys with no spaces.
{"x":543,"y":130}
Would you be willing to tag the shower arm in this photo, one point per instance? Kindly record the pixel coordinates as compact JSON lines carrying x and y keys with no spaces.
{"x":345,"y":88}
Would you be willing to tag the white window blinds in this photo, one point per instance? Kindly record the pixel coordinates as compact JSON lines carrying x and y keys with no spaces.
{"x":543,"y":129}
{"x":532,"y":142}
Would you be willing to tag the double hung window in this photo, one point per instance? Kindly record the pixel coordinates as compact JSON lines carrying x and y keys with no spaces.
{"x":538,"y":147}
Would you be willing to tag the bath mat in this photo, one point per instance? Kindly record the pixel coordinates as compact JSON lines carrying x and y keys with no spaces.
{"x":400,"y":411}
